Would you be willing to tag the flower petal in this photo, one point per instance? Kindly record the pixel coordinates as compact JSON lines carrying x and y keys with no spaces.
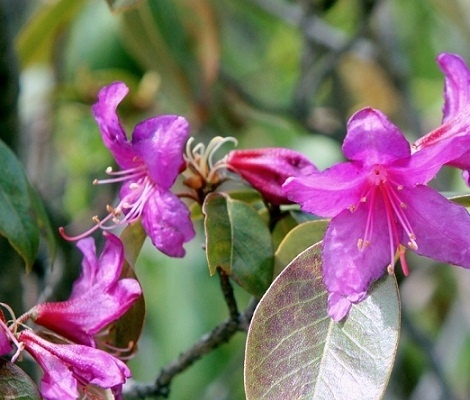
{"x":57,"y":382}
{"x":456,"y":85}
{"x":159,"y":143}
{"x":103,"y":271}
{"x":111,"y":261}
{"x":373,"y":139}
{"x":90,"y":267}
{"x":424,"y":164}
{"x":88,"y":364}
{"x":442,"y":228}
{"x":266,"y":169}
{"x":329,"y":192}
{"x":81,"y":318}
{"x":166,"y":219}
{"x":347,"y":270}
{"x":112,"y":133}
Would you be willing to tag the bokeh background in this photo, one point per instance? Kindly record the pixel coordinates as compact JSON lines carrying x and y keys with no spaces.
{"x":268,"y":72}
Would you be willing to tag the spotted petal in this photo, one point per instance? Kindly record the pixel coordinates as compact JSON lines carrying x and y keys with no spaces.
{"x":347,"y":270}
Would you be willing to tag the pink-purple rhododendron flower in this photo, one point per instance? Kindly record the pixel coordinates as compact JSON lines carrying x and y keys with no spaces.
{"x":266,"y":169}
{"x":70,"y":368}
{"x":380,"y":204}
{"x":456,"y":112}
{"x":98,"y":296}
{"x":150,"y":163}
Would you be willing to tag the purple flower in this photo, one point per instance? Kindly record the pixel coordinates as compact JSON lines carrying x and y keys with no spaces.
{"x":98,"y":296}
{"x":456,"y":113}
{"x":150,"y":164}
{"x":68,"y":367}
{"x":267,"y":169}
{"x":379,"y":205}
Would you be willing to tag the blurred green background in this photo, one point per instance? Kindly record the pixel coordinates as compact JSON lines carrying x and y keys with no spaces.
{"x":268,"y":72}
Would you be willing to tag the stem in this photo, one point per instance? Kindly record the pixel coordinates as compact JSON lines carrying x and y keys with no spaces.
{"x":222,"y":333}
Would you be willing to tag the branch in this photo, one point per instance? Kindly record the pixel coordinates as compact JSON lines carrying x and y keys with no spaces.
{"x":222,"y":333}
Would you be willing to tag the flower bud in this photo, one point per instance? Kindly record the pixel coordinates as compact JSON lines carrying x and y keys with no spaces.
{"x":266,"y":169}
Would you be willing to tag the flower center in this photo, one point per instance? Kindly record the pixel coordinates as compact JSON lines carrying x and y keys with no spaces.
{"x":381,"y":185}
{"x":202,"y":169}
{"x":138,"y":188}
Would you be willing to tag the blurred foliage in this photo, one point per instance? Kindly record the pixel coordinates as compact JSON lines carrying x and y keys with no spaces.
{"x":271,"y":73}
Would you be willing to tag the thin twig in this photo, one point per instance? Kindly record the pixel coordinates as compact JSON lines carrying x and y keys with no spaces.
{"x":222,"y":333}
{"x":227,"y":291}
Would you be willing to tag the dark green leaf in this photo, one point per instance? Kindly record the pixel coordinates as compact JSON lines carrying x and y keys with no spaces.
{"x":22,"y":214}
{"x":295,"y":350}
{"x":16,"y":384}
{"x":239,"y":242}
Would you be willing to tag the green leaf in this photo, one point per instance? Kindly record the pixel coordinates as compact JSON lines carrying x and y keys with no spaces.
{"x":297,"y":240}
{"x":296,"y":351}
{"x":122,"y":5}
{"x":239,"y":242}
{"x":462,"y":199}
{"x":22,"y":214}
{"x":16,"y":384}
{"x":35,"y":42}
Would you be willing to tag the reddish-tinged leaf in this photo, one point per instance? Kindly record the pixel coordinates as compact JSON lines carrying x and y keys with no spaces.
{"x":295,"y":350}
{"x":16,"y":384}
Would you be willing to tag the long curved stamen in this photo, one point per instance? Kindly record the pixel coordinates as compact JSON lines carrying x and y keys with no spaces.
{"x":398,"y":207}
{"x":129,"y":208}
{"x":121,"y":176}
{"x":200,"y":158}
{"x":214,"y":145}
{"x":392,"y":227}
{"x":98,"y":224}
{"x":369,"y":198}
{"x":135,"y":208}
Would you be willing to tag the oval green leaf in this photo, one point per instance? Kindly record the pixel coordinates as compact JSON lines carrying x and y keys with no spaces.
{"x":239,"y":242}
{"x":297,"y":240}
{"x":22,"y":215}
{"x":16,"y":384}
{"x":296,"y":351}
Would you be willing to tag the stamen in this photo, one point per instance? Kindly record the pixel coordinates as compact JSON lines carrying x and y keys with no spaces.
{"x":402,"y":218}
{"x":200,"y":158}
{"x":404,"y":264}
{"x":392,"y":227}
{"x":369,"y":229}
{"x":10,"y":332}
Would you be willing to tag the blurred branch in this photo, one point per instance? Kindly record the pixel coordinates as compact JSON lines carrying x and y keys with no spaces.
{"x":393,"y":61}
{"x":222,"y":333}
